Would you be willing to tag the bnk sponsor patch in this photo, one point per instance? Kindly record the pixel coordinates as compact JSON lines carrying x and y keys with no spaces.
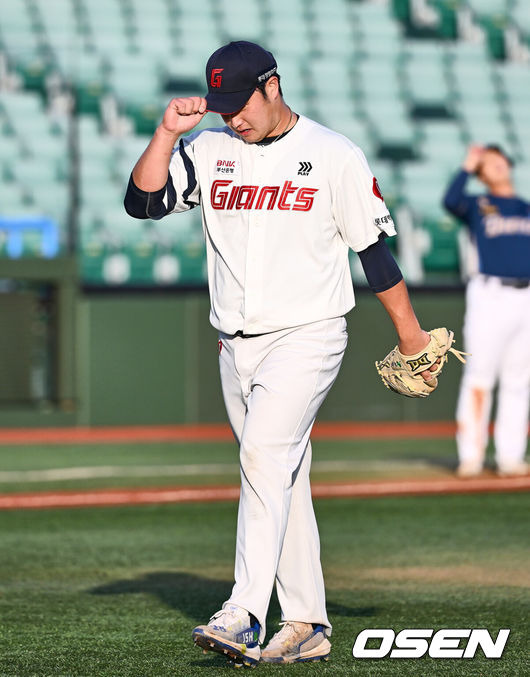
{"x":227,"y":167}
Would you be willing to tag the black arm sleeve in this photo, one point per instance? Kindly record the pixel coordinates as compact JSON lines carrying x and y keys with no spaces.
{"x":380,"y":267}
{"x":143,"y":205}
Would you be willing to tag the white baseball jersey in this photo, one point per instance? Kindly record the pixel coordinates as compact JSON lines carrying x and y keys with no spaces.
{"x":278,"y":221}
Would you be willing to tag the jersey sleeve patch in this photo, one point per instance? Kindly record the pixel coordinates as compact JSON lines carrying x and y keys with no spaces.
{"x":376,"y":190}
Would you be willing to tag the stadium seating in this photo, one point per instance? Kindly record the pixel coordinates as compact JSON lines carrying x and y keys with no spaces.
{"x":395,"y":76}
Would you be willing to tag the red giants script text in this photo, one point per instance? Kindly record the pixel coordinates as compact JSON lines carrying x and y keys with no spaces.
{"x":253,"y":197}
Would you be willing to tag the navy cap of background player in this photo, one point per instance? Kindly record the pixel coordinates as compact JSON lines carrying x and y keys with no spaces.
{"x":232,"y":74}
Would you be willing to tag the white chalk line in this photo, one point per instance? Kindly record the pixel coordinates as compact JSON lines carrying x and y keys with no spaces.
{"x":192,"y":470}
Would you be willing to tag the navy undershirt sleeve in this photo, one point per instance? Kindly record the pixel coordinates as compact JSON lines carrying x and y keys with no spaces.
{"x":143,"y":205}
{"x":380,"y":267}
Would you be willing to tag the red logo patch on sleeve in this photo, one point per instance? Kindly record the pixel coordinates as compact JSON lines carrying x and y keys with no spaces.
{"x":375,"y":189}
{"x":220,"y":345}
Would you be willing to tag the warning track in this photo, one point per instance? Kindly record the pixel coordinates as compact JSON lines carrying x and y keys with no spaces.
{"x":219,"y":433}
{"x":115,"y":497}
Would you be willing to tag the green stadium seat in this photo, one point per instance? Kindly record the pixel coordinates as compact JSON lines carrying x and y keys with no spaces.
{"x":447,"y":27}
{"x":135,"y":78}
{"x":333,"y":25}
{"x":86,"y":71}
{"x":293,"y":77}
{"x":154,"y":28}
{"x":425,"y":50}
{"x":14,"y":201}
{"x":520,"y":14}
{"x":62,"y":31}
{"x":25,"y":104}
{"x":11,"y":149}
{"x":164,"y":46}
{"x":183,"y":75}
{"x":424,"y":70}
{"x":198,"y":33}
{"x":279,"y":10}
{"x":474,"y":81}
{"x":291,"y":38}
{"x":489,"y":7}
{"x":95,"y":168}
{"x":101,"y":194}
{"x":443,"y":254}
{"x":48,"y":147}
{"x":117,"y":249}
{"x":196,"y":47}
{"x":341,"y":118}
{"x":329,"y":79}
{"x":109,"y":31}
{"x":401,"y":9}
{"x":20,"y":39}
{"x":484,"y":123}
{"x":442,"y":142}
{"x":52,"y":199}
{"x":378,"y":82}
{"x":25,"y":114}
{"x":522,"y":177}
{"x":249,"y":25}
{"x":145,"y":116}
{"x":522,"y":136}
{"x":88,"y":128}
{"x":515,"y":81}
{"x":394,"y":131}
{"x":28,"y":172}
{"x":423,"y":185}
{"x":288,"y":29}
{"x":153,"y":17}
{"x":376,"y":26}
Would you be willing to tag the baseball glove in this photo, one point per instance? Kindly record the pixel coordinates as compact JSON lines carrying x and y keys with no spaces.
{"x":402,"y":373}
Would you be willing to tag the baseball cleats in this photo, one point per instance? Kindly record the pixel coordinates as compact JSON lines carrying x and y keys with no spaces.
{"x":296,"y":643}
{"x":233,"y":632}
{"x":469,"y":469}
{"x":512,"y":469}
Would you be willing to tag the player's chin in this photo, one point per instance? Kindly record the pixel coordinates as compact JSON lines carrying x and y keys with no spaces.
{"x":249,"y":135}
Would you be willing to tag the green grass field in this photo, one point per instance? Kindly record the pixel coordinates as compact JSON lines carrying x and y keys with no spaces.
{"x":117,"y":591}
{"x":37,"y":467}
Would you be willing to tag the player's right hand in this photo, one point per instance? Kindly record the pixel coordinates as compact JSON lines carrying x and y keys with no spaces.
{"x":182,"y":115}
{"x":473,"y":157}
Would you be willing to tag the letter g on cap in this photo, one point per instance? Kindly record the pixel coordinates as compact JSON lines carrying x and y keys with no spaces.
{"x":216,"y":77}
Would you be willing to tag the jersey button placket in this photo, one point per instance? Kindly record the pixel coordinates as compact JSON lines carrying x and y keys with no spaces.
{"x":255,"y":253}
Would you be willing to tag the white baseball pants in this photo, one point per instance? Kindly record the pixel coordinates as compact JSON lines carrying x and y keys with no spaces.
{"x":273,"y":386}
{"x":497,"y":334}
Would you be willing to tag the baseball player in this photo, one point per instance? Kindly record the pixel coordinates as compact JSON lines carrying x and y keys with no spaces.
{"x":282,"y":200}
{"x":497,"y":320}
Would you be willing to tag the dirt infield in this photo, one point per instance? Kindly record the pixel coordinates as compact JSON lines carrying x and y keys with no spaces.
{"x":110,"y":497}
{"x":218,"y":432}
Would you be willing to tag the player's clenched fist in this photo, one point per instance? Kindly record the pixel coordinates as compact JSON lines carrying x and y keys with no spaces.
{"x":183,"y":114}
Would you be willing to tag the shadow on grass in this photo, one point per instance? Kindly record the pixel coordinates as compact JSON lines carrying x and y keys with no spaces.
{"x":197,"y":597}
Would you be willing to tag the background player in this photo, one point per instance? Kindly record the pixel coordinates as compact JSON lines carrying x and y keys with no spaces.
{"x":282,"y":199}
{"x":497,"y":321}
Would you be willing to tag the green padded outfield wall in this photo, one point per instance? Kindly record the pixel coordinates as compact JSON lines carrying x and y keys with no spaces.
{"x":152,"y":359}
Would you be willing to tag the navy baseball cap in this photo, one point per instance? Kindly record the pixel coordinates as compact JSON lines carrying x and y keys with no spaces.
{"x":232,"y":74}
